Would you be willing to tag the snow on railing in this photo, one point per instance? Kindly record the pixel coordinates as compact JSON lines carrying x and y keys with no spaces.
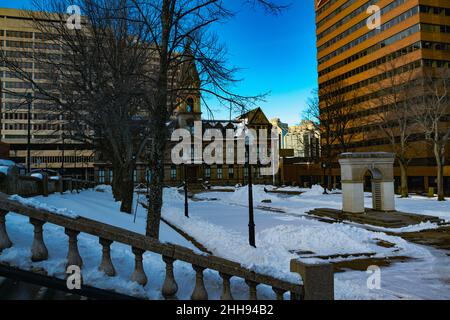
{"x":314,"y":277}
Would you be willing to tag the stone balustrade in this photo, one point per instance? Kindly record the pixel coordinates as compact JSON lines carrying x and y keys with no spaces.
{"x":170,"y":253}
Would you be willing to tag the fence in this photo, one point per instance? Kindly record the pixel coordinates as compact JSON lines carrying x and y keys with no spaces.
{"x":317,"y":279}
{"x":12,"y":182}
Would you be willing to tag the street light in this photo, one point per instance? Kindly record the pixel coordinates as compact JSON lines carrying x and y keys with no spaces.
{"x":29,"y":99}
{"x":324,"y":167}
{"x":63,"y":153}
{"x":185,"y":186}
{"x":251,"y":219}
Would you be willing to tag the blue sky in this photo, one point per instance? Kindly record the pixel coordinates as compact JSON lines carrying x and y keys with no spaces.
{"x":277,"y":54}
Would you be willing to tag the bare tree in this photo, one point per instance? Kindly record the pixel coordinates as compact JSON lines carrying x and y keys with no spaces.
{"x":331,"y":110}
{"x":393,"y":114}
{"x":432,"y":113}
{"x":93,"y":78}
{"x":174,"y":26}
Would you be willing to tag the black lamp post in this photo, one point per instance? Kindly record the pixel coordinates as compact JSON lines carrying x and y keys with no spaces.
{"x":251,"y":218}
{"x":185,"y":186}
{"x":63,"y":153}
{"x":324,"y":167}
{"x":29,"y":133}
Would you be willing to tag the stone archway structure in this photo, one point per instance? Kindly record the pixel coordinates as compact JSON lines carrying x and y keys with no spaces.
{"x":354,"y":167}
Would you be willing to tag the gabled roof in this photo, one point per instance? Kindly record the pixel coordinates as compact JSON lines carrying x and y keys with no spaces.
{"x":255,"y":116}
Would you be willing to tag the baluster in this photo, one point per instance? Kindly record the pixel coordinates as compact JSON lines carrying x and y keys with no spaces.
{"x":73,"y":257}
{"x":5,"y":243}
{"x":295,"y":296}
{"x":279,"y":292}
{"x":253,"y":295}
{"x":170,"y":286}
{"x":226,"y":290}
{"x":106,"y":265}
{"x":138,"y":274}
{"x":199,"y":292}
{"x":39,"y":251}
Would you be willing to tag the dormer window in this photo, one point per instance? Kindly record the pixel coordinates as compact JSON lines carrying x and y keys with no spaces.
{"x":190,"y":105}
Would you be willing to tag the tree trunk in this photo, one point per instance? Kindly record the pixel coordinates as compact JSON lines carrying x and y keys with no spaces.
{"x":160,"y":117}
{"x":155,"y":200}
{"x":127,"y":188}
{"x":116,"y":183}
{"x":404,"y":192}
{"x":440,"y":172}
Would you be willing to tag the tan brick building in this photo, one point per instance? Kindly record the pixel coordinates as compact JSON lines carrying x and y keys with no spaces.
{"x":413,"y":34}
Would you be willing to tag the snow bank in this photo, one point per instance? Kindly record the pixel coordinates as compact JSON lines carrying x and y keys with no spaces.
{"x":40,"y":205}
{"x":37,"y":176}
{"x":4,"y":170}
{"x":240,"y":195}
{"x":103,"y":188}
{"x":7,"y":163}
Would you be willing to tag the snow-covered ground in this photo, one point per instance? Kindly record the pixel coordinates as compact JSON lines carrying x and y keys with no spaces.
{"x":313,"y":198}
{"x":221,"y":226}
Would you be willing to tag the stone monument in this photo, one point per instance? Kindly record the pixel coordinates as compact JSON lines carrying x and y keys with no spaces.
{"x":354,"y":167}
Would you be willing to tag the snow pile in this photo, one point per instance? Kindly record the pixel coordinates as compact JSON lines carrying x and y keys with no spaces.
{"x":37,"y":176}
{"x":103,"y":188}
{"x":412,"y":228}
{"x":240,"y":195}
{"x":4,"y":170}
{"x":315,"y":190}
{"x":334,"y":239}
{"x":32,"y":202}
{"x":7,"y":163}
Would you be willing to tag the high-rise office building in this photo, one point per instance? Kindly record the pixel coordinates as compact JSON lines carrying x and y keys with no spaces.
{"x":355,"y":58}
{"x":20,"y":103}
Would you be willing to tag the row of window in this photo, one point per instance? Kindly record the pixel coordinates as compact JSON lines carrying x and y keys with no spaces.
{"x":59,"y":159}
{"x":394,"y":55}
{"x":335,"y":12}
{"x":31,"y":45}
{"x":34,"y":116}
{"x":389,"y":24}
{"x":43,"y":56}
{"x":39,"y":126}
{"x":13,"y":106}
{"x":375,"y":79}
{"x":422,"y":9}
{"x":376,"y":94}
{"x":219,"y":172}
{"x":357,"y":26}
{"x":19,"y":34}
{"x":384,"y":43}
{"x":435,"y":28}
{"x":17,"y":85}
{"x":20,"y":64}
{"x":34,"y":137}
{"x":411,"y":48}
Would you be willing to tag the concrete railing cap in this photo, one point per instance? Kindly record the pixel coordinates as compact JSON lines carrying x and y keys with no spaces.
{"x":369,"y":155}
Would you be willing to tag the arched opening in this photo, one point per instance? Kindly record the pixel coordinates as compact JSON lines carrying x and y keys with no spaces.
{"x":190,"y":105}
{"x":372,"y":183}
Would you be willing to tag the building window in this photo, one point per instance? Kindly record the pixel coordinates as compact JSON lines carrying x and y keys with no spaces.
{"x":148,"y":175}
{"x":111,"y":175}
{"x":173,"y":173}
{"x":208,"y":173}
{"x":135,"y":175}
{"x":230,"y":172}
{"x":101,"y":176}
{"x":219,"y":172}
